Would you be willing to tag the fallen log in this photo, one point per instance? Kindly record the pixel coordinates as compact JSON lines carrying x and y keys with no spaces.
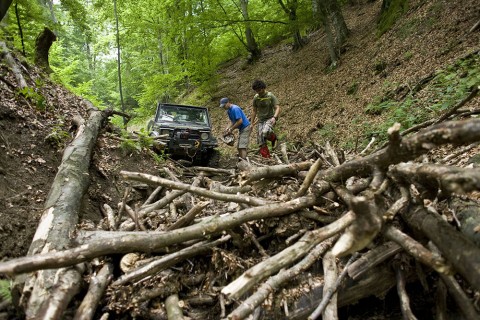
{"x":463,"y":254}
{"x":60,"y":216}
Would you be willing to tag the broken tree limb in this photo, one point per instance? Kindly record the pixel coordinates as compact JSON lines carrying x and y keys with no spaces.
{"x":286,"y":257}
{"x":456,"y":291}
{"x":98,"y":284}
{"x":151,"y":242}
{"x":373,"y":258}
{"x":60,"y":216}
{"x":312,"y":172}
{"x":277,"y":281}
{"x":189,"y":216}
{"x":461,"y":252}
{"x":446,"y":178}
{"x":455,"y":132}
{"x":172,"y":304}
{"x":147,"y":178}
{"x":13,"y":65}
{"x":418,"y":251}
{"x":468,"y":215}
{"x":257,"y":173}
{"x":402,"y":293}
{"x":329,"y":292}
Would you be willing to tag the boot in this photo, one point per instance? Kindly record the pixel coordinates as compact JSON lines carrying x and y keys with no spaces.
{"x":264,"y":151}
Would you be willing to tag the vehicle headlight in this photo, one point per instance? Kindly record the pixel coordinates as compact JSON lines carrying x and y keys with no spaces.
{"x":165,"y":131}
{"x":204,"y":136}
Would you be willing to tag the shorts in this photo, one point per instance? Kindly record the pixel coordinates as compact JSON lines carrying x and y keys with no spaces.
{"x":244,"y":138}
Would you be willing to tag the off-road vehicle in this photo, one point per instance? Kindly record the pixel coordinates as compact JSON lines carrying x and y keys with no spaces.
{"x":186,"y":133}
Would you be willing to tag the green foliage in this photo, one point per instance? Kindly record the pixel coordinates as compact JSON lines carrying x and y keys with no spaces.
{"x":5,"y":290}
{"x":33,"y":96}
{"x":328,"y":132}
{"x":447,"y":89}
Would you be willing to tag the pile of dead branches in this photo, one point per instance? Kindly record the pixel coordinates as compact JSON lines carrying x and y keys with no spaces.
{"x":297,"y":237}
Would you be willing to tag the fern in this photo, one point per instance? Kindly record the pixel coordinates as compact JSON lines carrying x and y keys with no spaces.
{"x":5,"y":290}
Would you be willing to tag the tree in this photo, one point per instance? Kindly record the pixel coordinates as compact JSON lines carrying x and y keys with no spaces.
{"x":118,"y":59}
{"x":330,"y":15}
{"x":290,"y":8}
{"x":252,"y":45}
{"x":42,"y":46}
{"x":4,"y":5}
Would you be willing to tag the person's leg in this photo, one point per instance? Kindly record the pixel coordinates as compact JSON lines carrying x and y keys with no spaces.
{"x":243,"y":140}
{"x":261,"y":127}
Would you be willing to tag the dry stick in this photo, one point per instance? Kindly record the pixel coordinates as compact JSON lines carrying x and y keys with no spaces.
{"x":277,"y":171}
{"x":326,"y":296}
{"x":279,"y":280}
{"x":459,"y":152}
{"x":98,"y":283}
{"x":169,"y":260}
{"x":418,"y":251}
{"x":373,"y":258}
{"x":167,"y":200}
{"x":151,"y":242}
{"x":402,"y":294}
{"x":147,"y":178}
{"x":452,"y":110}
{"x":267,"y":267}
{"x":462,"y":300}
{"x":330,"y":274}
{"x":283,"y":150}
{"x":251,"y":236}
{"x":312,"y":172}
{"x":172,"y":304}
{"x":398,"y":205}
{"x":456,"y":132}
{"x":135,"y":218}
{"x":219,"y":187}
{"x":108,"y":212}
{"x":152,"y":196}
{"x":189,"y":216}
{"x":331,"y":153}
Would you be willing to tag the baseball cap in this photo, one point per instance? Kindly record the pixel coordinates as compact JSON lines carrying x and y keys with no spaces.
{"x":223,"y":102}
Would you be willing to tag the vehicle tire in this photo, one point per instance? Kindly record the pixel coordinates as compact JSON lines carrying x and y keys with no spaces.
{"x":213,"y":158}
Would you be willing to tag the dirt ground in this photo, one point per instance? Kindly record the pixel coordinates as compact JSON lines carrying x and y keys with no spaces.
{"x":35,"y":129}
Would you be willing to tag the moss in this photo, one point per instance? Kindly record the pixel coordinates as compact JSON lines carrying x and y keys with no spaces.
{"x":391,"y":11}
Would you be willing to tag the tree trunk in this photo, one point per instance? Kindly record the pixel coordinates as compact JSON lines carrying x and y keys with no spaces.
{"x":252,"y":45}
{"x":42,"y":46}
{"x":59,"y":219}
{"x":4,"y":5}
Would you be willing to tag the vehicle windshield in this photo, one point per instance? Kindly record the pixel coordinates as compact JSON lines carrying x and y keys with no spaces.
{"x":183,"y":114}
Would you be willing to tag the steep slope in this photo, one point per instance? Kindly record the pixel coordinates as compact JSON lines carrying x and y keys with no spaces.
{"x":429,"y":37}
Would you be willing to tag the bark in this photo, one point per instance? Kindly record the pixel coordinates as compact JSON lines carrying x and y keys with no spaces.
{"x":172,"y":305}
{"x":98,"y":284}
{"x":463,"y":254}
{"x":5,"y":53}
{"x":43,"y":42}
{"x":60,"y":216}
{"x":4,"y":5}
{"x":468,"y":215}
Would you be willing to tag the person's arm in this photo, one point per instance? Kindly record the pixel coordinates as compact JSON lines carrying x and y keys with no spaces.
{"x":234,"y":126}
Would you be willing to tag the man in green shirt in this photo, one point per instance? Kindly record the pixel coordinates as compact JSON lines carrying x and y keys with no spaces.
{"x":266,"y":108}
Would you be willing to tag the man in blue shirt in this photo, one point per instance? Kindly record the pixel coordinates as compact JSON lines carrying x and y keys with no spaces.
{"x":238,"y":121}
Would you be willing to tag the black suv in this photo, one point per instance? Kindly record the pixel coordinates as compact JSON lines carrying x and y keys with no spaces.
{"x":186,"y":132}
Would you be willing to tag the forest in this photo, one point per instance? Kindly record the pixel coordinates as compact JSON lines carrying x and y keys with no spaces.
{"x":367,"y":209}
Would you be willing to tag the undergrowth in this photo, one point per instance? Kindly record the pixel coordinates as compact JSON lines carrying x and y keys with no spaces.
{"x":448,"y":87}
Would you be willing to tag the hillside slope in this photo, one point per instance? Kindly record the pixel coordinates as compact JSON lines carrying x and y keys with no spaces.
{"x":319,"y":104}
